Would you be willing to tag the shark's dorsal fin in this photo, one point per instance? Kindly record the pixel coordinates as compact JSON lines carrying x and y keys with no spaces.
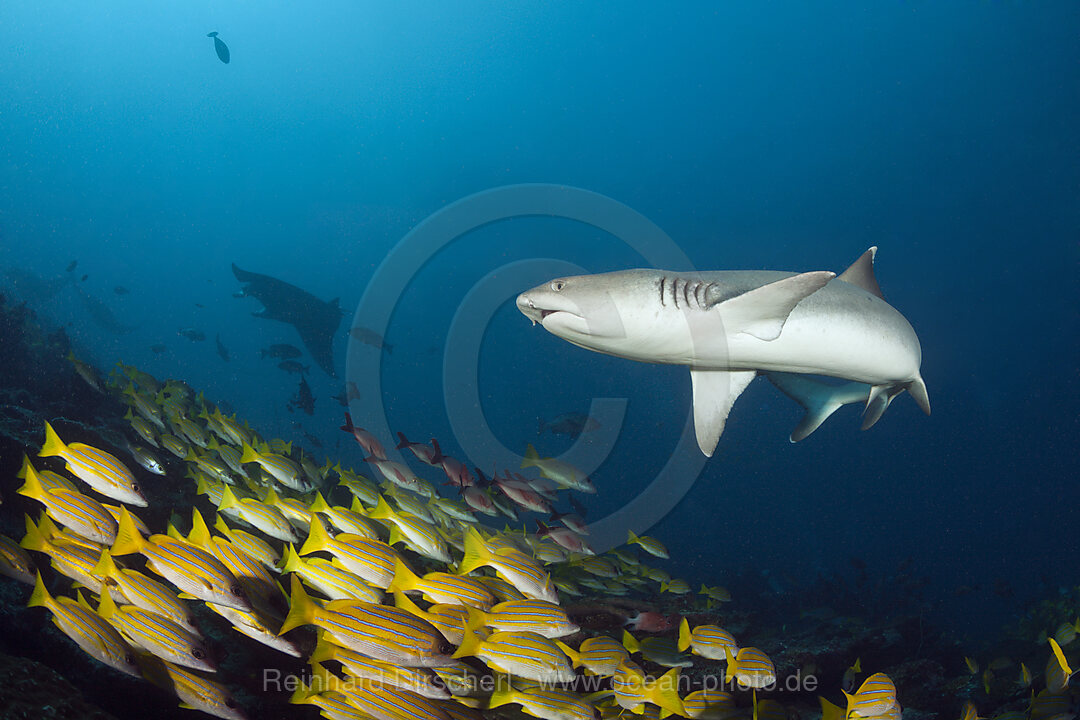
{"x":762,"y":312}
{"x":715,"y":391}
{"x":861,"y":273}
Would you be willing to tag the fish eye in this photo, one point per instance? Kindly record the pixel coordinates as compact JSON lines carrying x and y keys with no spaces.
{"x":446,"y":647}
{"x":134,"y":487}
{"x":230,"y":703}
{"x":557,"y":285}
{"x":129,"y":659}
{"x":198,"y":654}
{"x":235,"y":590}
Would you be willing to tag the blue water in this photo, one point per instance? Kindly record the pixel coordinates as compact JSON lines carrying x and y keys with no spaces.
{"x":768,"y":135}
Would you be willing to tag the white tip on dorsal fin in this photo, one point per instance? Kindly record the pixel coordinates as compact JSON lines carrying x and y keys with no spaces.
{"x":861,"y":273}
{"x":715,"y":391}
{"x":762,"y":312}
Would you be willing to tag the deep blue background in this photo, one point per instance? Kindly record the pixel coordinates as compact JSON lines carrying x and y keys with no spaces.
{"x":771,"y":135}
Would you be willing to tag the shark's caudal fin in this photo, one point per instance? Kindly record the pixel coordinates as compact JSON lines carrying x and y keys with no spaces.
{"x":762,"y":312}
{"x":818,"y":398}
{"x":861,"y":273}
{"x":715,"y":391}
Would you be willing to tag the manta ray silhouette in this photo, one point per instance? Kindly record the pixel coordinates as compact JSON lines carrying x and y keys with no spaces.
{"x":316,"y":321}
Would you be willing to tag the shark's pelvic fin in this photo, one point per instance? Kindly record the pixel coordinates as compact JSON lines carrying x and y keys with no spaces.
{"x":715,"y":391}
{"x":861,"y":273}
{"x":762,"y":312}
{"x":818,"y":398}
{"x":917,"y":388}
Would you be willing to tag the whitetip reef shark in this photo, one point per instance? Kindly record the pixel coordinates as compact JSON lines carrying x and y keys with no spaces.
{"x":729,"y":326}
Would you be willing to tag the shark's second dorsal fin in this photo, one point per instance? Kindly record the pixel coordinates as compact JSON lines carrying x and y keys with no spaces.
{"x":861,"y":273}
{"x":715,"y":391}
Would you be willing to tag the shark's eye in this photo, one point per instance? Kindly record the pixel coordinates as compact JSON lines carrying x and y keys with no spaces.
{"x":557,"y":285}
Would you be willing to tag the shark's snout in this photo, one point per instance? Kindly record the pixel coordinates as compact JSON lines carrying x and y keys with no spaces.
{"x":528,"y":308}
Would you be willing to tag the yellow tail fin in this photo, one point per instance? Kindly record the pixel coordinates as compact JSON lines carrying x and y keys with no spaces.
{"x":319,"y":504}
{"x":532,"y":458}
{"x":53,"y":444}
{"x":382,"y":511}
{"x":318,"y":538}
{"x":291,"y":562}
{"x":128,"y":540}
{"x":1061,"y":659}
{"x":684,"y":635}
{"x":31,"y":487}
{"x":34,"y":539}
{"x":228,"y":499}
{"x":40,"y":597}
{"x":106,"y":606}
{"x":574,"y":655}
{"x":404,"y":578}
{"x":477,"y":553}
{"x":469,"y":647}
{"x":106,"y":566}
{"x":324,"y":650}
{"x":302,"y":609}
{"x":248,"y":454}
{"x":630,"y":642}
{"x":501,"y":696}
{"x":665,"y":692}
{"x":200,"y":533}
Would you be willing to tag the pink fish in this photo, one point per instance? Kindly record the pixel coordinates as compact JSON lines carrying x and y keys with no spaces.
{"x":650,"y":622}
{"x":422,"y":452}
{"x":367,"y":441}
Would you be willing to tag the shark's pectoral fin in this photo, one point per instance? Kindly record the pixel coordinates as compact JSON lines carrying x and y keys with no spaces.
{"x":762,"y":312}
{"x":880,"y":398}
{"x":861,"y":273}
{"x":715,"y":392}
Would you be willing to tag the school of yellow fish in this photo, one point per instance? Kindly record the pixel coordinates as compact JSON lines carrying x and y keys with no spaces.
{"x":409,"y":595}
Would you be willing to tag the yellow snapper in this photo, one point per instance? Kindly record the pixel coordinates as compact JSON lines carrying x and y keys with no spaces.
{"x":325,"y":577}
{"x":524,"y":654}
{"x":440,"y":587}
{"x":75,"y":561}
{"x":73,"y":510}
{"x":875,"y":696}
{"x":91,"y":632}
{"x":648,"y":544}
{"x":750,"y":667}
{"x":14,"y":563}
{"x":256,"y":626}
{"x":421,"y":681}
{"x":538,"y":616}
{"x":380,"y":702}
{"x":281,"y":468}
{"x":711,"y":704}
{"x":565,"y":474}
{"x":194,"y":691}
{"x":370,"y":559}
{"x":450,"y":620}
{"x":379,"y":631}
{"x":157,"y":634}
{"x":599,"y":655}
{"x":514,"y":566}
{"x":143,"y":591}
{"x":264,"y":517}
{"x":97,"y":468}
{"x":420,"y":535}
{"x":546,"y":703}
{"x":708,"y":641}
{"x":190,"y":568}
{"x":632,"y":689}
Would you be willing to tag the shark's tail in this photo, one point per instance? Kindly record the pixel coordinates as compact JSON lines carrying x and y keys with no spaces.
{"x":819,"y":399}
